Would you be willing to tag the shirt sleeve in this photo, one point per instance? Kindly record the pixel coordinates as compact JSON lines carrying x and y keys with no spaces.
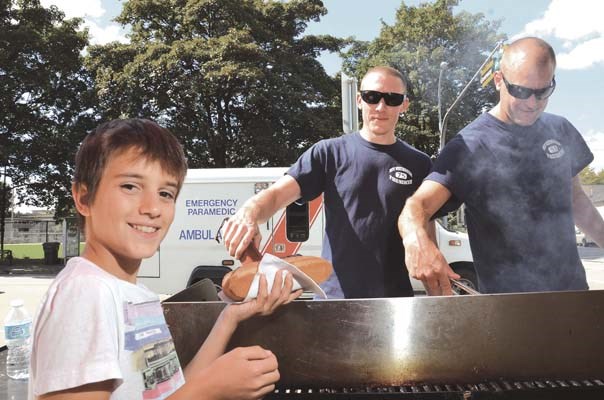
{"x":76,"y":339}
{"x":581,"y":154}
{"x":310,"y":171}
{"x":447,"y":170}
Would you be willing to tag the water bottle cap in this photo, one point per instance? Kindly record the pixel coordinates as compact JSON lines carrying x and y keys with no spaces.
{"x":16,"y":302}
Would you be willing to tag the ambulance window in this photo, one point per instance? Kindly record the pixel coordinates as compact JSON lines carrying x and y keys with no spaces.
{"x":296,"y":222}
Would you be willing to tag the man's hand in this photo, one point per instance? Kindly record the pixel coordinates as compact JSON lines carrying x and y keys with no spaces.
{"x":239,"y":231}
{"x":243,"y":373}
{"x":425,"y":262}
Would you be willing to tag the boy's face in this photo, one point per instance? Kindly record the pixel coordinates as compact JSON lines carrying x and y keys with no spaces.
{"x":131,"y":212}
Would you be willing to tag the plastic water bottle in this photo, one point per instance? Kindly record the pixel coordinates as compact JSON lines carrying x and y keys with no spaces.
{"x":17,"y":331}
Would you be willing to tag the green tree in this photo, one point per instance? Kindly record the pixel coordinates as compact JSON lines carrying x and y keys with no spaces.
{"x":589,"y":176}
{"x":236,"y":80}
{"x":419,"y":40}
{"x":43,"y":100}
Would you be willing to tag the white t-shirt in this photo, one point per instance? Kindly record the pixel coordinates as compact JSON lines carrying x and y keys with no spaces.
{"x":92,"y":326}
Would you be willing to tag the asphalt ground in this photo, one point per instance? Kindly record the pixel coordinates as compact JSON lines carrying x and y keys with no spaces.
{"x":30,"y":281}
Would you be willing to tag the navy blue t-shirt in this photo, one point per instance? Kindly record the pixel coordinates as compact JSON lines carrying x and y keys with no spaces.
{"x":516,"y":183}
{"x":365,"y":186}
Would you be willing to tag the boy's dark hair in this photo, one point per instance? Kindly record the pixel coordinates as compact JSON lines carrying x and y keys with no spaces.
{"x":153,"y":142}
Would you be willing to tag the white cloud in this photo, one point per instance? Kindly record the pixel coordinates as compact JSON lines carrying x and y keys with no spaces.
{"x":579,"y":25}
{"x":91,"y":11}
{"x":583,"y":55}
{"x":105,"y":34}
{"x":79,"y":8}
{"x":595,"y":141}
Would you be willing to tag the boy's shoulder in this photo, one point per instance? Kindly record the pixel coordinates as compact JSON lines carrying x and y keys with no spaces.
{"x":79,"y":268}
{"x":81,"y":276}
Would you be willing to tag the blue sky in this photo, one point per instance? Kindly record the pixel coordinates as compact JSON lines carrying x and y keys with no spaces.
{"x":573,"y":27}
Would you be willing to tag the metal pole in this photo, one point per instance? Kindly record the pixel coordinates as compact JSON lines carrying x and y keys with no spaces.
{"x":350,"y":114}
{"x":464,"y":90}
{"x":443,"y":66}
{"x":2,"y":216}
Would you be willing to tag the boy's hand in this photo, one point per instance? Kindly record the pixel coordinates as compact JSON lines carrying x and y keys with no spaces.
{"x":243,"y":373}
{"x":265,"y":303}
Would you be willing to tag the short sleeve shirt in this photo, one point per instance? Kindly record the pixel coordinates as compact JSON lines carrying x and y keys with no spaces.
{"x":92,"y":326}
{"x":365,"y":186}
{"x":516,"y":183}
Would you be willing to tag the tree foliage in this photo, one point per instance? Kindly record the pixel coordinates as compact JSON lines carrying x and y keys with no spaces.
{"x":43,"y":100}
{"x":235,"y":79}
{"x":419,"y":40}
{"x":589,"y":176}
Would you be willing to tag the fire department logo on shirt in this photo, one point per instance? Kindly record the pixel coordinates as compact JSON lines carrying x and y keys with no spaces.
{"x":400,"y":175}
{"x":553,"y":149}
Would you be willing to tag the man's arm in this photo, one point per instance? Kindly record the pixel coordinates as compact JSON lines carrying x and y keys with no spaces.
{"x":242,"y":228}
{"x":422,"y":257}
{"x":586,"y":216}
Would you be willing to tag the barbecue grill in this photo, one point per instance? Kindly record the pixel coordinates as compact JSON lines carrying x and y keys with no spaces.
{"x":507,"y":346}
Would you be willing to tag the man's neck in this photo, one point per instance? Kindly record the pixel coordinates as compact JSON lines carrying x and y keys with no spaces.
{"x":385,"y":139}
{"x":496,"y":112}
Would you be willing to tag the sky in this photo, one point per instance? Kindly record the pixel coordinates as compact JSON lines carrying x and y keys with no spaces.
{"x":574,"y":28}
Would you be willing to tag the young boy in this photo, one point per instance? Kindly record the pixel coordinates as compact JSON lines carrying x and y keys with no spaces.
{"x":100,"y":335}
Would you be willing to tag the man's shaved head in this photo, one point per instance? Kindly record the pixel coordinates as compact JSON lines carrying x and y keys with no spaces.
{"x":530,"y":49}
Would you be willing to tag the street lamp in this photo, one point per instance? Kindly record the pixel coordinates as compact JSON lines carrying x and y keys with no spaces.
{"x":443,"y":128}
{"x":443,"y":66}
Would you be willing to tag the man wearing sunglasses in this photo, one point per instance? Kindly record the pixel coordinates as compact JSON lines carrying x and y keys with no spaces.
{"x":364,"y":177}
{"x":516,"y":169}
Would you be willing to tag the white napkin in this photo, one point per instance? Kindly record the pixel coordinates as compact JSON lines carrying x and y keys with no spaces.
{"x":269,"y":266}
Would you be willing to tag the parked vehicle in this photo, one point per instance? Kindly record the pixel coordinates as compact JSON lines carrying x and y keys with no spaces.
{"x":582,"y":239}
{"x":191,"y":252}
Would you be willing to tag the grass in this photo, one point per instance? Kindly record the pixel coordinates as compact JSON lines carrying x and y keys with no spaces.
{"x":32,"y":250}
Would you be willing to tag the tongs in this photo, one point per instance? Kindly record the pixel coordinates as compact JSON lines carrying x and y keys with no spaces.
{"x":463,"y":287}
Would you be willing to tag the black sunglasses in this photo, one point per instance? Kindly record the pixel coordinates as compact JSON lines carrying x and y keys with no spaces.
{"x":523,"y":93}
{"x":374,"y":97}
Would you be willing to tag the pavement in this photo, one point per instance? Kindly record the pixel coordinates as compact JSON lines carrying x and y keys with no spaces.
{"x":29,"y":281}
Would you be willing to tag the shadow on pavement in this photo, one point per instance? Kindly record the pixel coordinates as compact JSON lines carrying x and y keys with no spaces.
{"x":31,"y":268}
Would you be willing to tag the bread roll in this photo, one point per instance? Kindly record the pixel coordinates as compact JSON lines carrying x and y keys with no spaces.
{"x":236,"y":284}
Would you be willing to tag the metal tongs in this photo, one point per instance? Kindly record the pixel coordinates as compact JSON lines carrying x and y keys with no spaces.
{"x":462,"y":287}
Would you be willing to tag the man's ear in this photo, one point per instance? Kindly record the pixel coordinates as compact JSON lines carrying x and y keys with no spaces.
{"x":80,"y":195}
{"x":405,"y":105}
{"x":359,"y":100}
{"x":498,"y":79}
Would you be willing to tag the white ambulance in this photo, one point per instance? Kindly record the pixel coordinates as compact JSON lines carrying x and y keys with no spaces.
{"x":191,"y":252}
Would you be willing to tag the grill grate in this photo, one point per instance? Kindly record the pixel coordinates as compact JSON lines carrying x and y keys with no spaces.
{"x":500,"y":390}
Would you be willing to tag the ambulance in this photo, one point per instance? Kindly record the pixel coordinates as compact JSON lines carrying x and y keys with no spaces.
{"x":192,"y":249}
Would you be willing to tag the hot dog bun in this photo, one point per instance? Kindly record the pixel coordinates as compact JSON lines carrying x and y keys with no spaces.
{"x":236,"y":284}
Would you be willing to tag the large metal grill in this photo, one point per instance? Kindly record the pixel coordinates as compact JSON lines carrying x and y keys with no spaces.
{"x":533,"y":390}
{"x":513,"y":346}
